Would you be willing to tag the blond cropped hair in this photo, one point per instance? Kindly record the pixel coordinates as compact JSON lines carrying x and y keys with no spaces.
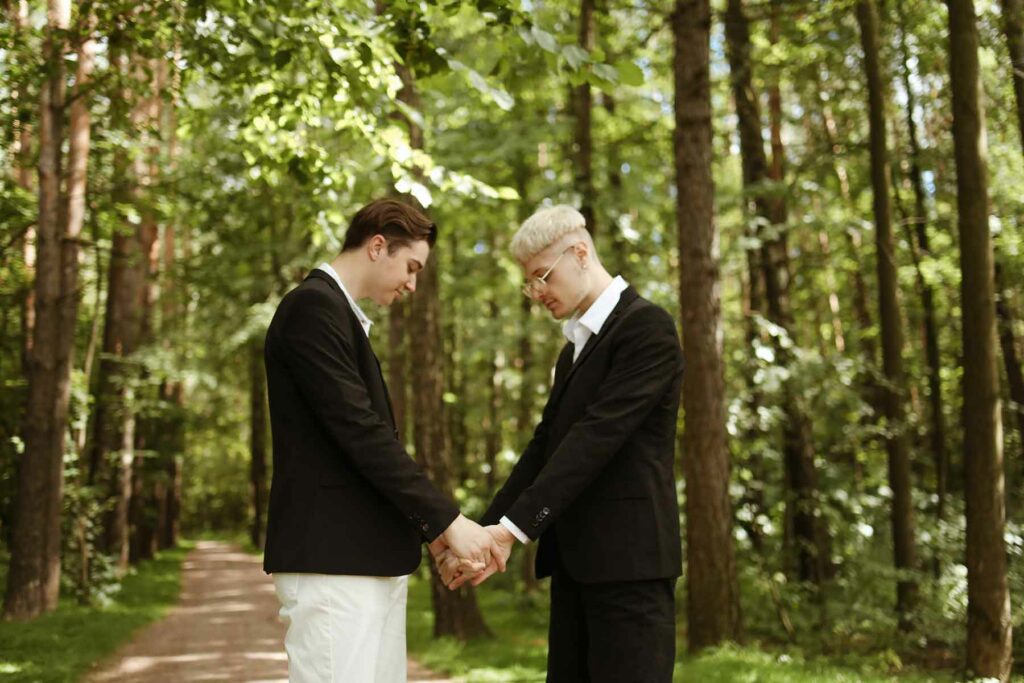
{"x":544,"y":228}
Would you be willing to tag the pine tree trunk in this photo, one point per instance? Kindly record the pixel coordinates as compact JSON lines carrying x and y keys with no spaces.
{"x":397,"y":363}
{"x":113,"y":427}
{"x":713,"y":604}
{"x":853,"y":238}
{"x":1013,"y":27}
{"x":902,"y":513}
{"x":937,"y":433}
{"x":989,"y":630}
{"x":1011,"y":359}
{"x":582,"y":106}
{"x":23,"y":179}
{"x":810,"y":533}
{"x":258,"y":411}
{"x":492,"y":425}
{"x":456,"y":613}
{"x":172,"y":295}
{"x":33,"y":579}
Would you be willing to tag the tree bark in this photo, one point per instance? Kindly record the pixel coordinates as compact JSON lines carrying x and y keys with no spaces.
{"x":937,"y":433}
{"x":172,"y":413}
{"x":34,"y":573}
{"x":1011,"y":360}
{"x":398,"y":363}
{"x":810,"y":534}
{"x":456,"y":613}
{"x":713,"y":604}
{"x":902,"y":512}
{"x":1013,"y":27}
{"x":989,"y":629}
{"x":853,"y":238}
{"x":259,"y":418}
{"x":582,"y":105}
{"x":113,"y":444}
{"x":23,"y":179}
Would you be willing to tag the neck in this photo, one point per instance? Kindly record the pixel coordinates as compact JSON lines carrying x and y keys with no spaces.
{"x":600,"y":279}
{"x":351,"y":272}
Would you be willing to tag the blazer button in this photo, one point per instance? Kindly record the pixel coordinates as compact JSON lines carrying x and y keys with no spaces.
{"x":425,"y":527}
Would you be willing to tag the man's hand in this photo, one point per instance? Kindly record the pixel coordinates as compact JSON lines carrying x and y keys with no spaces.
{"x":467,"y":540}
{"x":501,"y":549}
{"x":448,"y":564}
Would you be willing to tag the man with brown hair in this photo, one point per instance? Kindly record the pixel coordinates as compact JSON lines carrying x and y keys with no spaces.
{"x":349,"y":508}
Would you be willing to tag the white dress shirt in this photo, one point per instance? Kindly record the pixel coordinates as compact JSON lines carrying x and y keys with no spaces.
{"x":578,"y":330}
{"x":365,"y":322}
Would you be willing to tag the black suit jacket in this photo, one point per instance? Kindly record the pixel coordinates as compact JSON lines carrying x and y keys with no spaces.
{"x":345,"y":497}
{"x":596,"y":484}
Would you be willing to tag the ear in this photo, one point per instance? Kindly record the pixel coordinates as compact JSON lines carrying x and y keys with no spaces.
{"x":376,"y":247}
{"x":581,"y":250}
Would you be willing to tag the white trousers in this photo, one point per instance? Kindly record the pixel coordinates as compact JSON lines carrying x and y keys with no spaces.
{"x":344,"y":629}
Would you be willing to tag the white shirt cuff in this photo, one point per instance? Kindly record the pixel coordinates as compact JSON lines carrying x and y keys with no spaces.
{"x":507,"y":523}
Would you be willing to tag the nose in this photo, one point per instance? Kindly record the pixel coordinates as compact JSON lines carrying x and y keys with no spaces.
{"x":411,"y":284}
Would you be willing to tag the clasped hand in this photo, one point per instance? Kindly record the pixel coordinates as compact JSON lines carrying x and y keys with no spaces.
{"x":467,"y":551}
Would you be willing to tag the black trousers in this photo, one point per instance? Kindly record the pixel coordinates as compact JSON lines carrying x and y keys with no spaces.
{"x":621,"y":632}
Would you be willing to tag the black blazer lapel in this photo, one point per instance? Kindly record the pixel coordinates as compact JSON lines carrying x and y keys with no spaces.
{"x":321,"y":275}
{"x":629,"y":295}
{"x":562,"y":369}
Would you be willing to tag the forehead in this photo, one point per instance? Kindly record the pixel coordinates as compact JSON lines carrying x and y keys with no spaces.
{"x":418,"y":250}
{"x":542,"y":260}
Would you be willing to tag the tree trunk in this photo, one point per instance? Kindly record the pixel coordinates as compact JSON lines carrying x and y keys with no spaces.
{"x":259,"y":418}
{"x":1013,"y":26}
{"x":23,"y":179}
{"x":937,"y":433}
{"x":524,"y":364}
{"x":492,"y":426}
{"x":810,"y":534}
{"x":145,"y":470}
{"x":902,"y":513}
{"x":713,"y":604}
{"x":456,"y":613}
{"x":989,"y":630}
{"x":34,"y":572}
{"x":172,"y":295}
{"x":616,"y":203}
{"x":114,"y":424}
{"x":1011,"y":359}
{"x":853,"y":238}
{"x":397,"y":363}
{"x":582,"y":106}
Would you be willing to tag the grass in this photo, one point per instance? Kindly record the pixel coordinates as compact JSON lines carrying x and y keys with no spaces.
{"x":519,"y":650}
{"x":62,"y":645}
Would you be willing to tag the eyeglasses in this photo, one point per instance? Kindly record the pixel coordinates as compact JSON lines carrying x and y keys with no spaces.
{"x":534,"y":286}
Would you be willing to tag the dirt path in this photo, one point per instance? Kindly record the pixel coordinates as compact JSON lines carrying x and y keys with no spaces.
{"x":224,"y":628}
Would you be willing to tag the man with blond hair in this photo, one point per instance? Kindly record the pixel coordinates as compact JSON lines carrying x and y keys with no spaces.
{"x":595,"y":485}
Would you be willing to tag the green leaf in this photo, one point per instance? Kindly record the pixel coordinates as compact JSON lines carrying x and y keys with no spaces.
{"x":545,"y":40}
{"x":575,"y":55}
{"x":630,"y":73}
{"x":606,"y":72}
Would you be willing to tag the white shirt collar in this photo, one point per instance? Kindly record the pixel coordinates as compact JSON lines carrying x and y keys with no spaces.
{"x":364,"y":321}
{"x":579,"y":328}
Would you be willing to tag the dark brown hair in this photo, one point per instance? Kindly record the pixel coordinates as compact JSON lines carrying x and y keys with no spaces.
{"x":400,"y":221}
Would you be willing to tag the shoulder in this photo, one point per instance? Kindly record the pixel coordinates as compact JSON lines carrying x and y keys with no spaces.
{"x":313,"y":304}
{"x":646,"y":315}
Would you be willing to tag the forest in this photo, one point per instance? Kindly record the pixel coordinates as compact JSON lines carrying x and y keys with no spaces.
{"x":828,"y":196}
